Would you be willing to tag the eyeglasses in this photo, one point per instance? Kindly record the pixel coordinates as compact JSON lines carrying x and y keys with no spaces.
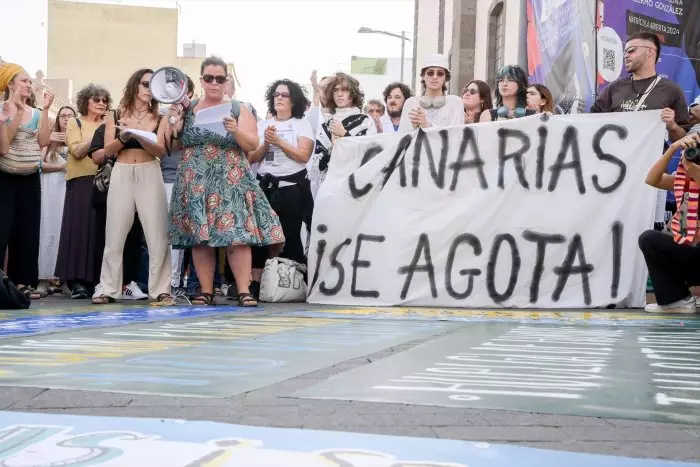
{"x":220,"y":79}
{"x":632,"y":49}
{"x":97,"y":100}
{"x":284,"y":95}
{"x":440,"y":73}
{"x":146,"y":84}
{"x":471,"y":91}
{"x":66,"y":116}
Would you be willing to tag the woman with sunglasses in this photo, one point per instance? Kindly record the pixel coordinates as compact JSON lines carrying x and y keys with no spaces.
{"x":511,"y":95}
{"x":476,"y":97}
{"x":28,"y":131}
{"x":286,"y":143}
{"x":434,"y":108}
{"x":136,"y":186}
{"x":76,"y":251}
{"x":216,"y":199}
{"x":53,"y":194}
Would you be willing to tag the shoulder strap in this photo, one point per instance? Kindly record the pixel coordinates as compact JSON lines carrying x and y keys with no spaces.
{"x":647,"y":92}
{"x":494,"y":115}
{"x":79,"y":123}
{"x":235,"y":109}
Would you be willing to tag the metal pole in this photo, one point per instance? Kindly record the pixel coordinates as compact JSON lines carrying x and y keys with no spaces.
{"x":403,"y":52}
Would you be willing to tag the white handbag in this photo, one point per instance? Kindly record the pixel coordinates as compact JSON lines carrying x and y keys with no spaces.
{"x":283,"y":281}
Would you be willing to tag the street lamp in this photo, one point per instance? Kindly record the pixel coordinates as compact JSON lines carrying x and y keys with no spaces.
{"x":402,"y":36}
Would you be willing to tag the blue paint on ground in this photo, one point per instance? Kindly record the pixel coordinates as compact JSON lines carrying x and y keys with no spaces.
{"x":40,"y":439}
{"x":27,"y":325}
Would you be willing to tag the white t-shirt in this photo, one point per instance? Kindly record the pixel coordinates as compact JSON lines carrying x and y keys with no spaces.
{"x":275,"y":162}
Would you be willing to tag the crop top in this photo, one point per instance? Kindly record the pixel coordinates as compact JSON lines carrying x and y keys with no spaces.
{"x":133,"y":143}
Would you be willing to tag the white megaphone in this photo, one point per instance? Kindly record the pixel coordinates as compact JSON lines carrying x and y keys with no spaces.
{"x":169,"y":86}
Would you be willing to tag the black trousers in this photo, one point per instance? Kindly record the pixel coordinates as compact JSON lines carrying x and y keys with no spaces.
{"x":20,"y":220}
{"x":132,"y":246}
{"x":288,"y":203}
{"x":673,"y":268}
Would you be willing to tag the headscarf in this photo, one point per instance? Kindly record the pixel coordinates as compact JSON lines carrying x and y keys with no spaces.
{"x":8,"y":71}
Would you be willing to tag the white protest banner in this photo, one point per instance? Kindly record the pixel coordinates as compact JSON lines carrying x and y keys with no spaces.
{"x":531,"y":212}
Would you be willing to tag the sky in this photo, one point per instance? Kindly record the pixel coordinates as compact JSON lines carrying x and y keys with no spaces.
{"x":266,"y":39}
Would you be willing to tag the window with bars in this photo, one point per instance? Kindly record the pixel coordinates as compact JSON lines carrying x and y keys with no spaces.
{"x":497,"y":34}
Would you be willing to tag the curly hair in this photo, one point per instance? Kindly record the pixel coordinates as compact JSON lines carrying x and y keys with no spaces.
{"x":405,"y":90}
{"x":356,"y":94}
{"x":87,"y":93}
{"x":296,"y":93}
{"x":131,"y":90}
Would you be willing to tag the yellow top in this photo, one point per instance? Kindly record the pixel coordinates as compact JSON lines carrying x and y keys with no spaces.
{"x":74,"y":137}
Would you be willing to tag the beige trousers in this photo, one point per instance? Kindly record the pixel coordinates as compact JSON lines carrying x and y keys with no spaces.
{"x":136,"y":188}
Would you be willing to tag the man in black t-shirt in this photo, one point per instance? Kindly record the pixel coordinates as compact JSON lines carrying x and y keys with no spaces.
{"x":623,"y":95}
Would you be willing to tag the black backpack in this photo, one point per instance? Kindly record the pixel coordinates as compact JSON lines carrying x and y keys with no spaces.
{"x":10,"y":296}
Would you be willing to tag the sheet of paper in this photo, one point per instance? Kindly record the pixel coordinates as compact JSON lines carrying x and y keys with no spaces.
{"x":147,"y":135}
{"x":212,"y":119}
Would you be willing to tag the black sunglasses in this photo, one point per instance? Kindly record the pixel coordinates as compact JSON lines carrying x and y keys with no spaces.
{"x":440,"y":73}
{"x":220,"y":79}
{"x":97,"y":100}
{"x":146,"y":84}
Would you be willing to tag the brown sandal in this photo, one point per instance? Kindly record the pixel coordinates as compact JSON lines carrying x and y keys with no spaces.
{"x":164,"y":299}
{"x":103,"y":300}
{"x":203,"y":299}
{"x":247,"y":300}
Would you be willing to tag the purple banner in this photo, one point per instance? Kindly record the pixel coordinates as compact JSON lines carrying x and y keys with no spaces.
{"x":561,"y":51}
{"x":676,"y":22}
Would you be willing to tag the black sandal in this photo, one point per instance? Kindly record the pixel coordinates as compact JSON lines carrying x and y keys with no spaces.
{"x":247,"y":300}
{"x":103,"y":300}
{"x":203,"y":299}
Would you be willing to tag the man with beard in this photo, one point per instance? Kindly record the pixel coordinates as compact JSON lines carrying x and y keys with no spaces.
{"x":395,"y":95}
{"x":644,"y":89}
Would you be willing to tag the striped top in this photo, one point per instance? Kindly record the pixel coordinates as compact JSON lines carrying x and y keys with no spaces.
{"x":25,"y":153}
{"x":684,"y":223}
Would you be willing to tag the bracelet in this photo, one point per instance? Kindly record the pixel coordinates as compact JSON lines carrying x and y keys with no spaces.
{"x":120,"y":139}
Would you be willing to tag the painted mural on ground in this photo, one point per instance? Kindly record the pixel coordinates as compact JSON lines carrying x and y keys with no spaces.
{"x":645,"y":373}
{"x":212,"y":357}
{"x":31,"y":439}
{"x":606,"y":318}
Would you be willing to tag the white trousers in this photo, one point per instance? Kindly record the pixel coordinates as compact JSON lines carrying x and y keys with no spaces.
{"x":136,"y":188}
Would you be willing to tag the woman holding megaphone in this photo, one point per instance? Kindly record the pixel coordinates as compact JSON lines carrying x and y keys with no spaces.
{"x":136,"y":185}
{"x":216,"y":200}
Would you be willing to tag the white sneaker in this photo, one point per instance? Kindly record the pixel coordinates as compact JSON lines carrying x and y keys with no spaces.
{"x":133,"y":292}
{"x":99,"y":291}
{"x":681,"y":306}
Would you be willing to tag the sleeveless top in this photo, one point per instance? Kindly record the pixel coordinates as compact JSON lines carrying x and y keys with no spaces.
{"x":25,"y":153}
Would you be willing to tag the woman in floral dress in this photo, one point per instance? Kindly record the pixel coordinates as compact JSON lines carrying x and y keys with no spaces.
{"x":216,"y":200}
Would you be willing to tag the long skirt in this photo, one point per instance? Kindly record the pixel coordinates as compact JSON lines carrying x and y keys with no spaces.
{"x":53,"y":194}
{"x":77,"y":248}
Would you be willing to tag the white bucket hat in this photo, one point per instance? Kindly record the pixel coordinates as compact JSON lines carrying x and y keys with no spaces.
{"x":436,"y":61}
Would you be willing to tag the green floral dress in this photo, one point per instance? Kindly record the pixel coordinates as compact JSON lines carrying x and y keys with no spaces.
{"x":216,"y":199}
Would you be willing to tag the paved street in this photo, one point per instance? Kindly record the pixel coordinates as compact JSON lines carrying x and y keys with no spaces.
{"x":604,"y":382}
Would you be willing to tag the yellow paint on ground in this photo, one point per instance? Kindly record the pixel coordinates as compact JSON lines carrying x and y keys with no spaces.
{"x":572,"y":316}
{"x":57,"y":351}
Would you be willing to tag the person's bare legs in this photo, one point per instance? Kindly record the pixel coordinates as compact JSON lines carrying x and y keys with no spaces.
{"x":240,"y":259}
{"x":204,"y":263}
